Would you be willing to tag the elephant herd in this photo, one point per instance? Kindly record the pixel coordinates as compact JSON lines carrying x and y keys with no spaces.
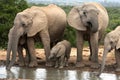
{"x":47,"y":25}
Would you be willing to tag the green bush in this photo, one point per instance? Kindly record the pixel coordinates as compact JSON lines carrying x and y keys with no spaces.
{"x":9,"y":9}
{"x":114,"y":18}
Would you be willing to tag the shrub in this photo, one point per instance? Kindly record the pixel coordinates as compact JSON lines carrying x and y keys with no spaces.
{"x":9,"y":9}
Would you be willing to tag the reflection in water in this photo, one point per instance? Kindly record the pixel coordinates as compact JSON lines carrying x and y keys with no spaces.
{"x":53,"y":74}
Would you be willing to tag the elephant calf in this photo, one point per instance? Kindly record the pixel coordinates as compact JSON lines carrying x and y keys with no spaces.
{"x":112,"y":41}
{"x":61,"y":53}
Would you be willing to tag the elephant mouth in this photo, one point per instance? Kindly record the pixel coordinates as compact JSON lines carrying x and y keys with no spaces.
{"x":110,"y":49}
{"x":89,"y":25}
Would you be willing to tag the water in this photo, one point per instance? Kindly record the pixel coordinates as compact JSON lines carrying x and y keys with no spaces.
{"x":53,"y":74}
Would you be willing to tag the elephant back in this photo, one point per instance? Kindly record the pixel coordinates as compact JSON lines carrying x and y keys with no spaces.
{"x":56,"y":21}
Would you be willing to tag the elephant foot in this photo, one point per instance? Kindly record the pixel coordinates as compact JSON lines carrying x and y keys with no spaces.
{"x":80,"y":64}
{"x":33,"y":64}
{"x":60,"y":67}
{"x":21,"y":64}
{"x":49,"y":64}
{"x":26,"y":64}
{"x":117,"y":70}
{"x":95,"y":65}
{"x":66,"y":65}
{"x":8,"y":68}
{"x":56,"y":66}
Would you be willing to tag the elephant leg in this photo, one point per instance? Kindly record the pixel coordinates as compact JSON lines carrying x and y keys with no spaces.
{"x":66,"y":61}
{"x":56,"y":63}
{"x":80,"y":41}
{"x":90,"y":57}
{"x":62,"y":60}
{"x":46,"y":43}
{"x":117,"y":57}
{"x":27,"y":57}
{"x":94,"y":50}
{"x":20,"y":55}
{"x":31,"y":49}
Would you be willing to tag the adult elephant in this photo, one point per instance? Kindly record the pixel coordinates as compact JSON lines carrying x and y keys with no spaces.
{"x":90,"y":21}
{"x":47,"y":22}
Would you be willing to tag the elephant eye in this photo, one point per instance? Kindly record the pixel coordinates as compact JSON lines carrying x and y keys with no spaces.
{"x":23,"y":24}
{"x":111,"y":42}
{"x":85,"y":13}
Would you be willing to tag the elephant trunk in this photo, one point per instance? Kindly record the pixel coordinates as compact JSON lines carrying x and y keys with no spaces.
{"x":8,"y":52}
{"x":13,"y":47}
{"x":103,"y":61}
{"x":94,"y":24}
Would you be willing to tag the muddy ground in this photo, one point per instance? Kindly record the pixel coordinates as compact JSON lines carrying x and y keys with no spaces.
{"x":110,"y":67}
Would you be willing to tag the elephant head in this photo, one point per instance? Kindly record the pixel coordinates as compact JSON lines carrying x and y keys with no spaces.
{"x":57,"y":50}
{"x":111,"y":41}
{"x":28,"y":22}
{"x":84,"y":18}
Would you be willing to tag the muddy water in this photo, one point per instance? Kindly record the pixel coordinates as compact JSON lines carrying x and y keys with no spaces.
{"x":52,"y":74}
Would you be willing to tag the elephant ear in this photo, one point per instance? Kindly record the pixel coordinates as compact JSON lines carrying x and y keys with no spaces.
{"x":39,"y":22}
{"x":118,"y":44}
{"x":74,"y":19}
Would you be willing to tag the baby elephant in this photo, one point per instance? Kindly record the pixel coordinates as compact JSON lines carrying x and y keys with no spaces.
{"x":112,"y":41}
{"x":60,"y":53}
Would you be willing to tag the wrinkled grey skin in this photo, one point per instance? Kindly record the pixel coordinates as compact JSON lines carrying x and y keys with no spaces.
{"x":90,"y":21}
{"x":112,"y":41}
{"x":60,"y":53}
{"x":22,"y":44}
{"x":24,"y":60}
{"x":47,"y":22}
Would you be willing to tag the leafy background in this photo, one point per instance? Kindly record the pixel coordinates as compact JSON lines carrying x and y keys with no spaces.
{"x":9,"y":9}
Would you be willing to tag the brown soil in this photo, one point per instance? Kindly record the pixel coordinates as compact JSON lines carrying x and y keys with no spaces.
{"x":110,"y":67}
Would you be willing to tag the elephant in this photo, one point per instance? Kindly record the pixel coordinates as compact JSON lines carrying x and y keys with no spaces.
{"x":60,"y":53}
{"x":112,"y":41}
{"x":47,"y":22}
{"x":90,"y":21}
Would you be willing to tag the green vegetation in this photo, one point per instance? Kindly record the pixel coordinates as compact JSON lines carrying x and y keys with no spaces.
{"x":114,"y":17}
{"x":9,"y":9}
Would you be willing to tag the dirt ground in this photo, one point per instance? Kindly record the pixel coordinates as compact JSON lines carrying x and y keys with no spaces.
{"x":110,"y":67}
